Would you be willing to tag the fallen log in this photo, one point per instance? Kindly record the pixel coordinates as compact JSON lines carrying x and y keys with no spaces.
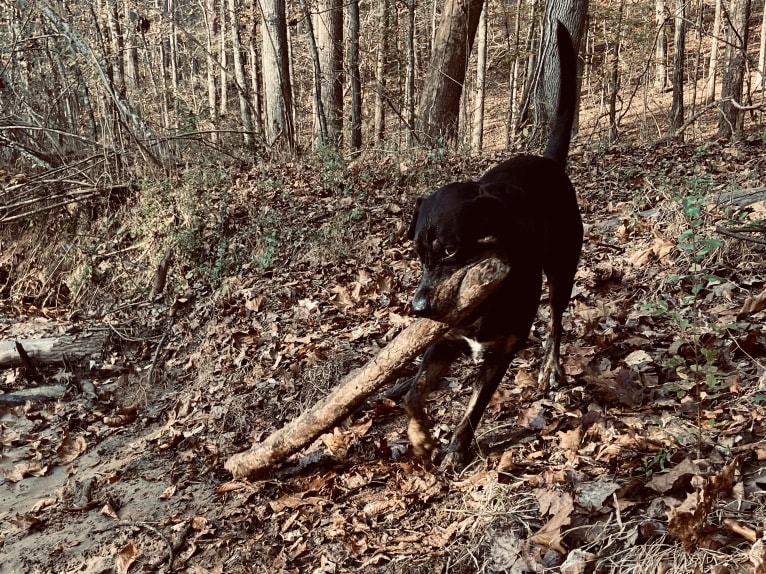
{"x":52,"y":350}
{"x":465,"y":290}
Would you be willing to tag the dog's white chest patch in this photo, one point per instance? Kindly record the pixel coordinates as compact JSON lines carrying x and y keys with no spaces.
{"x":477,"y":349}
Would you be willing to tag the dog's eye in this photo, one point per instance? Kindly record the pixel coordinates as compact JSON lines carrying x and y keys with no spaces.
{"x":450,"y":251}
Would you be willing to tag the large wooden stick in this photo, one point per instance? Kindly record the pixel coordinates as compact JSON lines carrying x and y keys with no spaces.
{"x":465,"y":289}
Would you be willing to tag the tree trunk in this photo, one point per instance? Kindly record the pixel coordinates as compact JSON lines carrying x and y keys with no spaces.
{"x":679,"y":61}
{"x":544,"y":96}
{"x":355,"y":80}
{"x":131,"y":49}
{"x":661,"y":48}
{"x":614,"y":76}
{"x":222,"y":60}
{"x":711,"y":78}
{"x":255,"y":77}
{"x":52,"y":350}
{"x":513,"y":77}
{"x":277,"y":88}
{"x":409,"y":84}
{"x":239,"y":74}
{"x":173,"y":51}
{"x":328,"y":26}
{"x":477,"y":129}
{"x":208,"y":13}
{"x":118,"y":45}
{"x":380,"y":71}
{"x":759,"y":73}
{"x":730,"y":119}
{"x":439,"y":107}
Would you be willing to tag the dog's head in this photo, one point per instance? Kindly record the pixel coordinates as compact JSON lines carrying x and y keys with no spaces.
{"x":455,"y":226}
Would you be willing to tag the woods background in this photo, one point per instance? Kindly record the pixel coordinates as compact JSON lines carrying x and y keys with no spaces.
{"x":116,"y":84}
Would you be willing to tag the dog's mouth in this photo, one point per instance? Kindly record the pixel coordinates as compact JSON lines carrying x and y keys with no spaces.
{"x":439,"y":291}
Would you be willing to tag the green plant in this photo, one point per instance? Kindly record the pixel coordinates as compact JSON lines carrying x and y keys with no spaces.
{"x":656,"y":462}
{"x":696,"y":371}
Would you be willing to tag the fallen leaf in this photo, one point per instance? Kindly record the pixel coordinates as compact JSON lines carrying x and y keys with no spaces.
{"x":757,"y":556}
{"x":753,"y":304}
{"x":664,"y":482}
{"x":125,"y":558}
{"x":71,"y":447}
{"x":559,"y":505}
{"x":592,"y":495}
{"x":168,"y":492}
{"x":24,"y":469}
{"x":577,"y":562}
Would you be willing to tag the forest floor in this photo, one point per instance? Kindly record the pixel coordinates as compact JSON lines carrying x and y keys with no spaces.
{"x":289,"y":276}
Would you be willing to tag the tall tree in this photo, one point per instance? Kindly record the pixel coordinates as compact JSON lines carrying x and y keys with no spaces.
{"x":277,"y":88}
{"x":477,"y":127}
{"x":328,"y":25}
{"x":380,"y":71}
{"x":439,"y":107}
{"x":614,"y":73}
{"x":679,"y":60}
{"x":542,"y":99}
{"x":209,"y":15}
{"x":661,"y":47}
{"x":355,"y":80}
{"x":712,"y":70}
{"x":759,"y":73}
{"x":730,"y":118}
{"x":239,"y":75}
{"x":409,"y":83}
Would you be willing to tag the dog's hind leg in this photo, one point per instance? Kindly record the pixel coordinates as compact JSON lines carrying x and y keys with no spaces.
{"x":436,"y":360}
{"x":560,"y":285}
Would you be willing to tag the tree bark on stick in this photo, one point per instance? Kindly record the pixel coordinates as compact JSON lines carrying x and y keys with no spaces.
{"x":465,"y":289}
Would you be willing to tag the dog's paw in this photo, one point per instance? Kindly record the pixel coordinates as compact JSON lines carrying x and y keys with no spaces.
{"x":454,"y":461}
{"x":551,"y":374}
{"x":423,"y":443}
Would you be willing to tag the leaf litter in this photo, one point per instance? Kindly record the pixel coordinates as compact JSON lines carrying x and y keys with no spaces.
{"x":649,"y":459}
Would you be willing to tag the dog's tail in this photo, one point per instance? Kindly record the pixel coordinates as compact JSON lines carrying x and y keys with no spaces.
{"x":561,"y":132}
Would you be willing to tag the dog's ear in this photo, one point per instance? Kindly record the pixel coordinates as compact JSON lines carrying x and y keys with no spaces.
{"x":414,"y":222}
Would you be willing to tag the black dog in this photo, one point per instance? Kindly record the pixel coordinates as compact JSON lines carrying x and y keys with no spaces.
{"x":524,"y":211}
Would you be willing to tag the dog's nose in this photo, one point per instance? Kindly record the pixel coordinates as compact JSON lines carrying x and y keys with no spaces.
{"x":421,"y":306}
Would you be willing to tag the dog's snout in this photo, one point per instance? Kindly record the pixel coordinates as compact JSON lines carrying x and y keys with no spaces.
{"x":421,"y":305}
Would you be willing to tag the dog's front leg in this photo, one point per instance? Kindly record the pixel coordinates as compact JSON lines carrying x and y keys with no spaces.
{"x":436,"y":360}
{"x":490,"y":375}
{"x":492,"y":371}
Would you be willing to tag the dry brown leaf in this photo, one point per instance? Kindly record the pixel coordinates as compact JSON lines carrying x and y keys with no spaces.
{"x":107,"y":510}
{"x":42,"y":504}
{"x":24,"y":469}
{"x":757,"y":556}
{"x":533,"y":418}
{"x":168,"y":492}
{"x":230,"y":486}
{"x":685,"y":469}
{"x":559,"y":505}
{"x":577,"y":562}
{"x":593,"y":495}
{"x":688,"y":521}
{"x":337,"y":442}
{"x":25,"y":521}
{"x":70,"y":448}
{"x":570,"y":440}
{"x":754,"y":304}
{"x":125,"y":558}
{"x":440,"y":537}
